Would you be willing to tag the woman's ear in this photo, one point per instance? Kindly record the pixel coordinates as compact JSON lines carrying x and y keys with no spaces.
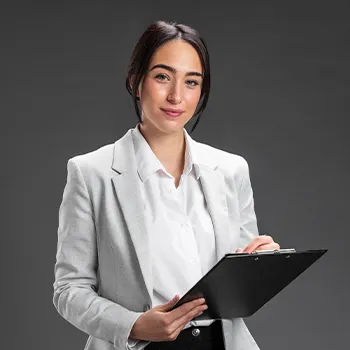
{"x":138,"y":94}
{"x":131,"y":82}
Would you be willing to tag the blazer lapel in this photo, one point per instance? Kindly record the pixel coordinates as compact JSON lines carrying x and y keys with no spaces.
{"x":126,"y":184}
{"x":214,"y":190}
{"x":213,"y":184}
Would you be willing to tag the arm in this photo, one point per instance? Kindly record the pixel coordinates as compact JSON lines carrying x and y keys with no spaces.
{"x":250,"y":240}
{"x":75,"y":288}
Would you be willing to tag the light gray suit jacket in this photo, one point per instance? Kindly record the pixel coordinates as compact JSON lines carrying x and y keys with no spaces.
{"x":103,"y":278}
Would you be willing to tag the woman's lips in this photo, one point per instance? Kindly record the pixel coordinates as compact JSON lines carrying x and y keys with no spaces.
{"x":172,"y":113}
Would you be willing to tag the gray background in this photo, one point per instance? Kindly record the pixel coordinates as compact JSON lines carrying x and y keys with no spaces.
{"x":280,"y":97}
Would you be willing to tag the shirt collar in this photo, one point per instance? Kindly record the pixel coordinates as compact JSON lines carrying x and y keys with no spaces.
{"x":147,"y":162}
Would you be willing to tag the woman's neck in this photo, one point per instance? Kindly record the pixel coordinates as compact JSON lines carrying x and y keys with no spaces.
{"x":168,"y":148}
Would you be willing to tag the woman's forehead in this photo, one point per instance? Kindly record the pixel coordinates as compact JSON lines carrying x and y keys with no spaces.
{"x":177,"y":54}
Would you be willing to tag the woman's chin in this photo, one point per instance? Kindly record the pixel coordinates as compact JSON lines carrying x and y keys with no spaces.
{"x":170,"y":125}
{"x":165,"y":124}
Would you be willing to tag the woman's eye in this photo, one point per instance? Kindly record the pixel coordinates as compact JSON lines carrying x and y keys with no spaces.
{"x":193,"y":82}
{"x":161,"y":76}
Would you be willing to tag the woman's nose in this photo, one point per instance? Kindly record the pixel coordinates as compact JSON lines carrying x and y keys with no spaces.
{"x":175,"y":94}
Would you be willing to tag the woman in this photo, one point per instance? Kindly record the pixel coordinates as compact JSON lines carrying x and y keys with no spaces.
{"x":143,"y":219}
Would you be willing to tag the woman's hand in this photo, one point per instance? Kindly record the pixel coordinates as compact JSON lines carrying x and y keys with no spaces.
{"x":160,"y":324}
{"x":262,"y":242}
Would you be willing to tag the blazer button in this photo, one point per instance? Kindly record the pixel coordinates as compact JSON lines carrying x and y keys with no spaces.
{"x":146,"y":307}
{"x":196,"y":332}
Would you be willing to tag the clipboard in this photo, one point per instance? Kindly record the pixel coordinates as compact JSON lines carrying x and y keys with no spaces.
{"x":239,"y":284}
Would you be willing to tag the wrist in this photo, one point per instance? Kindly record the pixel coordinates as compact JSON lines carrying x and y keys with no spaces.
{"x":134,"y":329}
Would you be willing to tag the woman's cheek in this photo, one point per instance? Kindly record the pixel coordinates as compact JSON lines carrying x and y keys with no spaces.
{"x":192,"y":99}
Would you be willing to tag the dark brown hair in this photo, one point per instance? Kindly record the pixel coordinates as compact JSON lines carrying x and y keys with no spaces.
{"x":157,"y":34}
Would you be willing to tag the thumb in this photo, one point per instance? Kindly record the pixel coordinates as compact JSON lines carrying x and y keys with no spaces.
{"x":239,"y":250}
{"x":167,"y":306}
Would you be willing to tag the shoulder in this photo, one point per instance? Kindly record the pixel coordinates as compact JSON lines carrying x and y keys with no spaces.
{"x":224,"y":161}
{"x":97,"y":164}
{"x":102,"y":157}
{"x":96,"y":159}
{"x":93,"y":167}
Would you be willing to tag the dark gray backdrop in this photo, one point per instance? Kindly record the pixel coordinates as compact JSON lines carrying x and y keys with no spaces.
{"x":280,"y":97}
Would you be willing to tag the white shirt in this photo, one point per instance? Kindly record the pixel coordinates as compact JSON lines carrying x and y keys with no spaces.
{"x":180,"y":229}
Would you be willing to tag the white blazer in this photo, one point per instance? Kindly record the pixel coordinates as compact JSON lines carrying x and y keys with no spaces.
{"x":103,"y":267}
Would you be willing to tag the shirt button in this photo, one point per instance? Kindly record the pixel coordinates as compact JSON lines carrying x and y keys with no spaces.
{"x":196,"y":332}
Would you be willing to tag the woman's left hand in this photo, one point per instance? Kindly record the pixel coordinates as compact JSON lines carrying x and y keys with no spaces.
{"x":263,"y":242}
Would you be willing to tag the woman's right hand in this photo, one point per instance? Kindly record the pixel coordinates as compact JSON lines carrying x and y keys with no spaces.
{"x":159,"y":324}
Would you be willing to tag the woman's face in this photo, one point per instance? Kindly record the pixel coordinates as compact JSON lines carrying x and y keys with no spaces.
{"x":173,"y":82}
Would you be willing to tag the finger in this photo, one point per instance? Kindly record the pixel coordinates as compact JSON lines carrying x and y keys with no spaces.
{"x":262,"y":246}
{"x":167,"y":306}
{"x":173,"y":336}
{"x":185,"y":309}
{"x":172,"y":324}
{"x":256,"y":242}
{"x":271,"y":246}
{"x":239,"y":250}
{"x":180,"y":322}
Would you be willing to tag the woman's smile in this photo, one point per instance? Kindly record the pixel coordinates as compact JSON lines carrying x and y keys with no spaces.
{"x":172,"y":112}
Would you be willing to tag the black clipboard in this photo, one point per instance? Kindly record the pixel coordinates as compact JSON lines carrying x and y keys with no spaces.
{"x":239,"y":284}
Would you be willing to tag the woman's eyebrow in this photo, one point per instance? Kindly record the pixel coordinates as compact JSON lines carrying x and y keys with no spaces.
{"x":173,"y":70}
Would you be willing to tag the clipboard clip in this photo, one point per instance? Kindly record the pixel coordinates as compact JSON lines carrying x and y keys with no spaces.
{"x":274,"y":251}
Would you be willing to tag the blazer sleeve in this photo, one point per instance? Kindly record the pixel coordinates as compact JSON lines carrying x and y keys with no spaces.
{"x":75,"y":288}
{"x":248,"y":221}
